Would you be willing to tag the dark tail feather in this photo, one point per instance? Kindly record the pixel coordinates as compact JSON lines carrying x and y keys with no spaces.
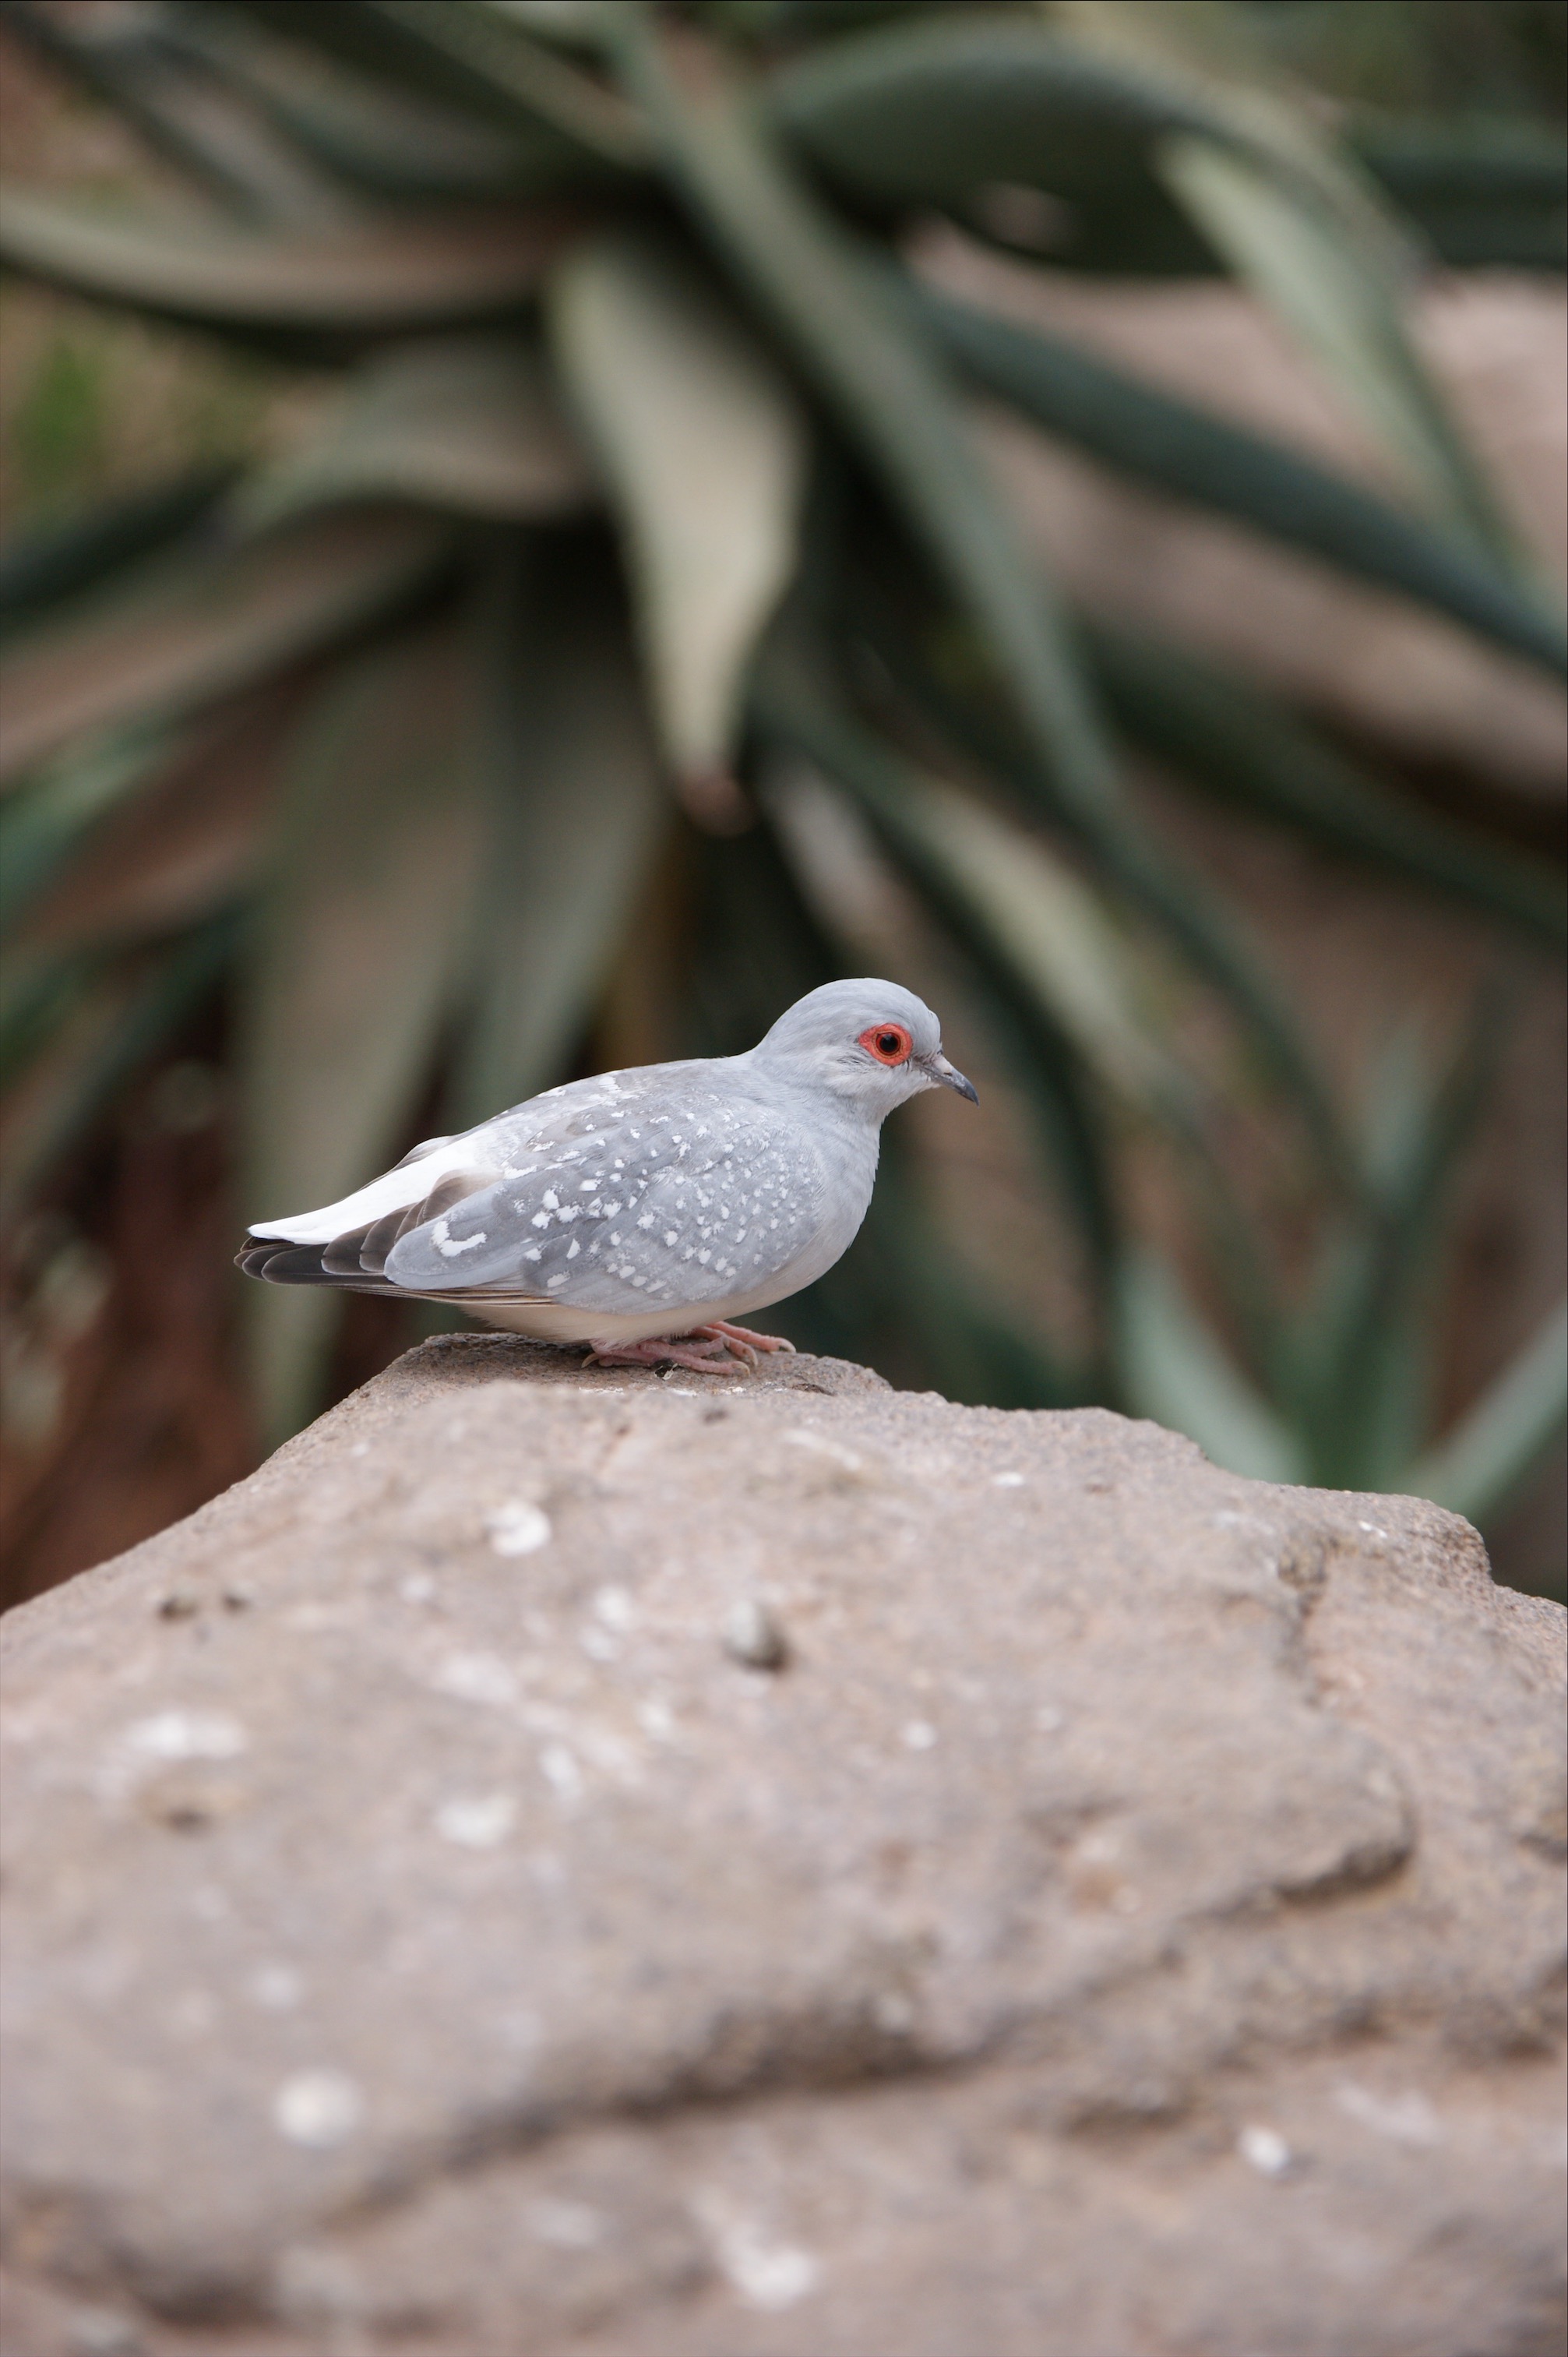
{"x":277,"y":1263}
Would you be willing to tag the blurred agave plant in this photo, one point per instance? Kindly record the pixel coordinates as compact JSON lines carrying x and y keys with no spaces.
{"x":648,"y":527}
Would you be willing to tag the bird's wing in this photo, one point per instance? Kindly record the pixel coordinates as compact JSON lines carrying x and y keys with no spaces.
{"x":613,"y":1194}
{"x":622,"y":1202}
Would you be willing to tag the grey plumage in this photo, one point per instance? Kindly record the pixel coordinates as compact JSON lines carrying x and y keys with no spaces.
{"x":640,"y":1203}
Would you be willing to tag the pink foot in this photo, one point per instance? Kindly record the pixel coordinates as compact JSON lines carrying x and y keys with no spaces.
{"x":693,"y":1350}
{"x":741,"y":1338}
{"x":710,"y":1350}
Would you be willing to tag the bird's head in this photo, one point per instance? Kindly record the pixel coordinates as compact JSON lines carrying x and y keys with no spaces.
{"x":869,"y":1042}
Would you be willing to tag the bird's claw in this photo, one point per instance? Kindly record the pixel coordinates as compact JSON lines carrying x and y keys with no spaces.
{"x":710,"y":1350}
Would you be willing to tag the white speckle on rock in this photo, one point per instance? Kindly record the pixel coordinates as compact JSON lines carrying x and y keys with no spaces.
{"x":559,"y":1768}
{"x":1048,"y":1719}
{"x":278,"y":1988}
{"x":187,"y":1735}
{"x":656,"y":1719}
{"x":318,"y":2108}
{"x":518,"y":1528}
{"x":565,"y":2225}
{"x":823,"y":1446}
{"x":615,"y":1607}
{"x":918,"y":1735}
{"x":1405,"y":2119}
{"x":476,"y":1677}
{"x":1265,"y":2151}
{"x":480,"y":1821}
{"x":1007,"y":1480}
{"x":360,"y":1449}
{"x":102,"y":2332}
{"x":768,"y":2275}
{"x":417,"y":1588}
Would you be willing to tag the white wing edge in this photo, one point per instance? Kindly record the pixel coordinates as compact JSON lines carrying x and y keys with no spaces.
{"x":393,"y":1191}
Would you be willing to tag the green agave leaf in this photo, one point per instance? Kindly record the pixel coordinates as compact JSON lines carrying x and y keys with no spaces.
{"x":901,"y":1298}
{"x":109,"y":1027}
{"x":1321,"y":285}
{"x":1486,"y":193}
{"x":575,"y":24}
{"x":42,"y":825}
{"x":895,"y":397}
{"x":1499,"y":1441}
{"x":927,"y":112}
{"x":577,"y":810}
{"x":1047,"y":925}
{"x":412,"y":275}
{"x":470,"y":425}
{"x":1198,"y":456}
{"x":142,"y":68}
{"x":196,"y":628}
{"x":445,"y":49}
{"x":369,"y":133}
{"x":791,"y":709}
{"x":41,"y":569}
{"x":502,"y":58}
{"x":182,"y":843}
{"x":703,"y":447}
{"x":1365,"y":1344}
{"x":1176,"y":1371}
{"x":1222,"y":737}
{"x":1105,"y":109}
{"x":1296,"y":217}
{"x":358,"y":945}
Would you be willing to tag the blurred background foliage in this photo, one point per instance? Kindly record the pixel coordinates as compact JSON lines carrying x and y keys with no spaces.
{"x":503,"y":581}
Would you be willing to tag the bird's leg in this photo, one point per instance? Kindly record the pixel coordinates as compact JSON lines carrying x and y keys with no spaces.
{"x":750,"y":1343}
{"x":702,"y":1355}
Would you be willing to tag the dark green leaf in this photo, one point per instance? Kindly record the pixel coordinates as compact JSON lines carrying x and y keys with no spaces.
{"x":1486,"y":193}
{"x":115,"y":1024}
{"x":191,"y":630}
{"x":895,"y":397}
{"x":470,"y":425}
{"x":703,"y":446}
{"x":179,"y":839}
{"x":42,"y":568}
{"x":42,"y":825}
{"x":1177,"y":1372}
{"x":926,"y":112}
{"x":1325,"y":284}
{"x":1224,"y":737}
{"x":1475,"y":1469}
{"x":791,"y":709}
{"x":577,"y":809}
{"x":359,"y":944}
{"x":445,"y":49}
{"x":139,"y":63}
{"x":413,"y":275}
{"x":1305,"y":227}
{"x":371,"y":133}
{"x":1185,"y":451}
{"x":1366,"y":1344}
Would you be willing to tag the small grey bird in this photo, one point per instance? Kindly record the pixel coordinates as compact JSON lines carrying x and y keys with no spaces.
{"x":640,"y":1212}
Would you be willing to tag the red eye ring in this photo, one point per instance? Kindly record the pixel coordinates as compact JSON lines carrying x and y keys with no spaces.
{"x":889,"y":1042}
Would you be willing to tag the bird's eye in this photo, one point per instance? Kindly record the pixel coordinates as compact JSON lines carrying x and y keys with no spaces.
{"x":889,"y":1042}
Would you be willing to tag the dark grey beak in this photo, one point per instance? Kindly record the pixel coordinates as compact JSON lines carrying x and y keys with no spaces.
{"x":950,"y":1078}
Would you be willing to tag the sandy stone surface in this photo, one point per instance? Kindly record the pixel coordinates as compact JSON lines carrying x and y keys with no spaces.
{"x":1126,"y":1916}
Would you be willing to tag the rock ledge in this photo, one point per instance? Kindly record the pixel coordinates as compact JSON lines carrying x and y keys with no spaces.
{"x":781,"y":1869}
